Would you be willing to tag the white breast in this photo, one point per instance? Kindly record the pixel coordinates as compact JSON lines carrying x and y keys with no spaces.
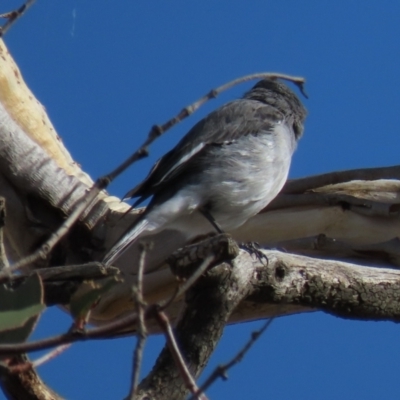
{"x":238,"y":180}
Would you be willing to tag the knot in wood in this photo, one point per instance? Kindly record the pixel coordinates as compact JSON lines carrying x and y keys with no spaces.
{"x":280,"y":272}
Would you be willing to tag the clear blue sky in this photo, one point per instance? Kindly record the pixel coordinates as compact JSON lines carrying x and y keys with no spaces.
{"x":106,"y":71}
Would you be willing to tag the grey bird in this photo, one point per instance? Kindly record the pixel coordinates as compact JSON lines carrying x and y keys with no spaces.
{"x":225,"y":170}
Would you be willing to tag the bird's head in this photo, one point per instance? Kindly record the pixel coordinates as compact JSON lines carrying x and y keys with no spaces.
{"x":278,"y":95}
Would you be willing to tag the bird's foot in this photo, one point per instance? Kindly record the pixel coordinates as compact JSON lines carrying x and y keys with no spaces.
{"x":253,"y":248}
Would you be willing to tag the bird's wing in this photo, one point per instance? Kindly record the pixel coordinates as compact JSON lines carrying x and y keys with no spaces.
{"x":223,"y":126}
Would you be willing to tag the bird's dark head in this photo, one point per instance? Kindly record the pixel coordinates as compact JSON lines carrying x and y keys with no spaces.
{"x":278,"y":95}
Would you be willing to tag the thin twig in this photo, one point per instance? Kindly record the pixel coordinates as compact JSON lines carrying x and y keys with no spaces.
{"x":13,"y":16}
{"x":73,"y":336}
{"x":207,"y":309}
{"x":75,"y":272}
{"x":190,"y":383}
{"x":221,"y":370}
{"x":107,"y":329}
{"x":41,"y":360}
{"x":141,"y":333}
{"x":157,"y":130}
{"x":54,"y":238}
{"x":101,"y":331}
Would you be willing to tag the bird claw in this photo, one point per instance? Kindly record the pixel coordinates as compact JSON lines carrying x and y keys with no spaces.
{"x":253,"y":248}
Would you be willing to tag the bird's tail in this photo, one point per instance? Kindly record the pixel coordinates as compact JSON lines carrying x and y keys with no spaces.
{"x":122,"y":245}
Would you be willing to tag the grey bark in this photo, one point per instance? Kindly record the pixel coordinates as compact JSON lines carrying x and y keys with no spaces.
{"x":341,"y":289}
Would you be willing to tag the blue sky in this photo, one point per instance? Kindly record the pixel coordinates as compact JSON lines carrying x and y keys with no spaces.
{"x":107,"y":71}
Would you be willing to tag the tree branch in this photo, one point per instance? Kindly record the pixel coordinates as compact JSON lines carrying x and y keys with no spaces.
{"x":221,"y":370}
{"x":199,"y":330}
{"x":25,"y":385}
{"x":302,"y":185}
{"x":342,"y":289}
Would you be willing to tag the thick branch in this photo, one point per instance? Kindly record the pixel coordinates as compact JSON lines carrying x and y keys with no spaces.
{"x":25,"y":385}
{"x":364,"y":174}
{"x":342,"y":289}
{"x":200,"y":329}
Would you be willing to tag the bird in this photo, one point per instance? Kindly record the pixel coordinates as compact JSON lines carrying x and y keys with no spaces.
{"x":225,"y":170}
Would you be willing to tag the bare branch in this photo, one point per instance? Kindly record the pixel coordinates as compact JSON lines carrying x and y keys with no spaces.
{"x":50,"y":355}
{"x":365,"y":174}
{"x":73,"y":336}
{"x":221,"y":370}
{"x":157,"y":130}
{"x":40,"y":361}
{"x":338,"y":288}
{"x":25,"y":385}
{"x":348,"y":202}
{"x":343,"y":289}
{"x":79,"y":272}
{"x":13,"y":16}
{"x":199,"y":330}
{"x":55,"y":237}
{"x":322,"y":245}
{"x":176,"y":354}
